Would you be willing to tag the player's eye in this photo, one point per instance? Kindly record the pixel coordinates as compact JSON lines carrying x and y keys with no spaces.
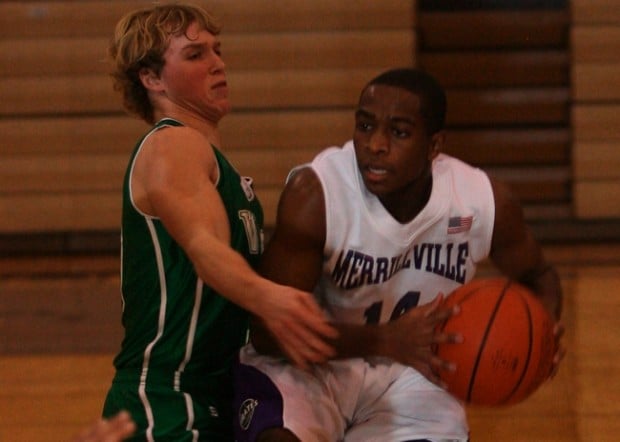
{"x":363,"y":126}
{"x":400,"y":133}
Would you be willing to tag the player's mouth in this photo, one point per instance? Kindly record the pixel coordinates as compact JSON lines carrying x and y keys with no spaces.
{"x":220,"y":85}
{"x":375,"y":173}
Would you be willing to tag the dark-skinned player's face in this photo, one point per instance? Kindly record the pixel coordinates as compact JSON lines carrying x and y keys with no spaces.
{"x":394,"y":151}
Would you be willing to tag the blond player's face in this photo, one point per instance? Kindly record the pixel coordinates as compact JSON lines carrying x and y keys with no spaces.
{"x":194,"y":76}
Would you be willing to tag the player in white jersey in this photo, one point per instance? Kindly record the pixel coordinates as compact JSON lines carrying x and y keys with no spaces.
{"x":381,"y":229}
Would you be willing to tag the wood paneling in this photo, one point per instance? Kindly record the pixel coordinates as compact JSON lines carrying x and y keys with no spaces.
{"x":585,"y":12}
{"x":68,"y":18}
{"x":596,"y":160}
{"x":506,"y":74}
{"x":492,"y":29}
{"x":595,"y":73}
{"x":295,"y":71}
{"x":598,"y":83}
{"x":597,"y":198}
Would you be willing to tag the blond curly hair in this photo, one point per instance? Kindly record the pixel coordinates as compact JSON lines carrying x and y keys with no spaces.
{"x":140,"y":39}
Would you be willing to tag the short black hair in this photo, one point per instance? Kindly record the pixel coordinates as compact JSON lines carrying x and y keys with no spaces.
{"x":433,"y":102}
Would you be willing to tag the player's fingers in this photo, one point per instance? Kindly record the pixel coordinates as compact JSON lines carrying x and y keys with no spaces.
{"x":302,"y":346}
{"x":294,"y":358}
{"x":115,"y":429}
{"x":432,"y":307}
{"x":291,"y":350}
{"x":557,"y":358}
{"x":313,"y":318}
{"x":308,"y":337}
{"x":121,"y":426}
{"x":304,"y":357}
{"x":92,"y":434}
{"x":442,"y":314}
{"x":442,"y":365}
{"x":447,"y":338}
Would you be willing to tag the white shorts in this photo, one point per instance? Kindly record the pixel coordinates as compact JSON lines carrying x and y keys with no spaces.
{"x":345,"y":400}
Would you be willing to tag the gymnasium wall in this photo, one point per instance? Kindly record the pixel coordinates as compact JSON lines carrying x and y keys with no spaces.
{"x":295,"y":70}
{"x":595,"y":36}
{"x":508,"y":94}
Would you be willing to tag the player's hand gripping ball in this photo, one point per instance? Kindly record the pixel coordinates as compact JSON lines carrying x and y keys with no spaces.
{"x":508,"y":343}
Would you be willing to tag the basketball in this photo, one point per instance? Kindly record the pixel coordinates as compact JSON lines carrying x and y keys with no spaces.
{"x":508,"y":344}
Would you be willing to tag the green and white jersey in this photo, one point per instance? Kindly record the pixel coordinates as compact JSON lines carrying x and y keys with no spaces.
{"x":175,"y":325}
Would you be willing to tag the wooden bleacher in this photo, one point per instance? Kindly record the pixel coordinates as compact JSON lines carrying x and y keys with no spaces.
{"x":508,"y":95}
{"x":295,"y":71}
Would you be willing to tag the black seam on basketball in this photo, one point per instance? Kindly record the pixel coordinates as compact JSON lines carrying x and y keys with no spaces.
{"x":463,"y":299}
{"x":442,"y":328}
{"x":472,"y":378}
{"x":526,"y":365}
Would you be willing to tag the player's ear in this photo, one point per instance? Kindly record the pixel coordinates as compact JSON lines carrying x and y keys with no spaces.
{"x":437,"y":142}
{"x":150,"y":80}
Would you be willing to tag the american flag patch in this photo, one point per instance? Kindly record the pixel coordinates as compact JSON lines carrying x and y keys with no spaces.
{"x":458,"y":224}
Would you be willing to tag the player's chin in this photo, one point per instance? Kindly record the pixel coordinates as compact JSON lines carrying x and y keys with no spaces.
{"x":379,"y":188}
{"x":224,"y":106}
{"x":219,"y":109}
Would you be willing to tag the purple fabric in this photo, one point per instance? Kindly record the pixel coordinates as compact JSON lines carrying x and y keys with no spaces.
{"x":257,"y":403}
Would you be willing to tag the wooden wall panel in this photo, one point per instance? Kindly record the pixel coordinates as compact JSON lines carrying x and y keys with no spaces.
{"x":595,"y":160}
{"x":595,"y":122}
{"x":68,"y":18}
{"x":597,"y":198}
{"x":242,"y":52}
{"x":295,"y":71}
{"x":598,"y":12}
{"x":596,"y":82}
{"x":595,"y":44}
{"x":595,"y":74}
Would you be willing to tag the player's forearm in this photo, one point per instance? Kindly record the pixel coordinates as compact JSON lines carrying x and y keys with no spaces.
{"x":226,"y":271}
{"x":545,"y":283}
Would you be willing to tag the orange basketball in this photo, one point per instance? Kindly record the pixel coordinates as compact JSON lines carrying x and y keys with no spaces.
{"x":508,"y":343}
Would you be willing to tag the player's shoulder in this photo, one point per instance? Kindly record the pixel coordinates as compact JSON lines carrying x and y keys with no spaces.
{"x":336,"y":164}
{"x":302,"y":181}
{"x":459,"y":170}
{"x":174,"y":134}
{"x":178,"y":140}
{"x":335,"y":153}
{"x":453,"y":163}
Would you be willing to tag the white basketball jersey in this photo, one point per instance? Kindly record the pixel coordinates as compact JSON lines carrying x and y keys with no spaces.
{"x":376,"y":268}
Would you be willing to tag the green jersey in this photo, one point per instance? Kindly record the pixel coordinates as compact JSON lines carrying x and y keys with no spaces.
{"x":180,"y":334}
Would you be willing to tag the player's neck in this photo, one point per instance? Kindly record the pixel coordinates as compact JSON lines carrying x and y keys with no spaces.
{"x":405,"y":206}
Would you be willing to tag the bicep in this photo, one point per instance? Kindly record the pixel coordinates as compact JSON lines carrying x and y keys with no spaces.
{"x":181,"y":191}
{"x":294,"y":255}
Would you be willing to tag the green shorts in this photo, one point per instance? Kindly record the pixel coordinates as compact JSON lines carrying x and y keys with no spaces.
{"x":194,"y":409}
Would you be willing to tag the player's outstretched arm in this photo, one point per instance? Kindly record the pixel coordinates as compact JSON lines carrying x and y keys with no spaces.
{"x":184,"y":196}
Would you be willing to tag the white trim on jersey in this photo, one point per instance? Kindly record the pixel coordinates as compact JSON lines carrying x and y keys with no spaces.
{"x":161,"y":322}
